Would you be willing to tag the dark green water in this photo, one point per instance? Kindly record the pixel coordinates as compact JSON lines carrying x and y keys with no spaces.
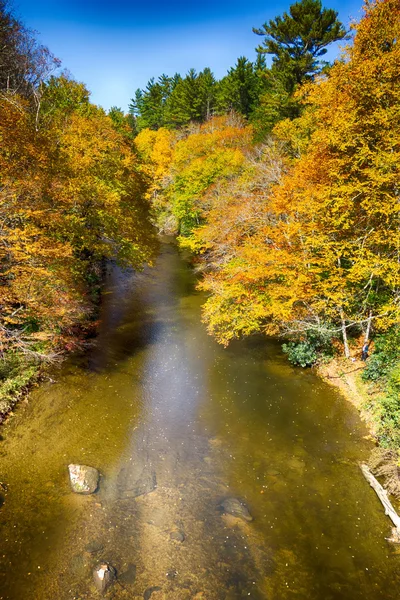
{"x":157,"y":395}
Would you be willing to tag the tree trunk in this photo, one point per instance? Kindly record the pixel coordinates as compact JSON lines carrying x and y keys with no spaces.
{"x":369,"y":322}
{"x":387,"y":505}
{"x":344,"y":333}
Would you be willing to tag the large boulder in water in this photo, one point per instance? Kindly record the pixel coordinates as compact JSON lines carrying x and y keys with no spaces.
{"x":236,"y":508}
{"x":103,"y":576}
{"x":84,"y":480}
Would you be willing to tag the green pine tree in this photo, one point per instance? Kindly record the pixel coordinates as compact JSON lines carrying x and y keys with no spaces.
{"x":192,"y":99}
{"x":239,"y":90}
{"x":297,"y":43}
{"x":148,"y":106}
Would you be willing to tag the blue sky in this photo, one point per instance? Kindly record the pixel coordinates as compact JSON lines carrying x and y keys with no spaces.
{"x":114,"y":47}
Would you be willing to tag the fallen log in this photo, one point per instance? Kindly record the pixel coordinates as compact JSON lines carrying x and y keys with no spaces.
{"x":387,"y":505}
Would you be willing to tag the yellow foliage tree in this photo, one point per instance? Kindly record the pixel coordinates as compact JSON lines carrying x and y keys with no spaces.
{"x":319,"y":247}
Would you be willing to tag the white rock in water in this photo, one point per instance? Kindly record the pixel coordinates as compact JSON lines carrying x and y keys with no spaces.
{"x":84,"y":480}
{"x":103,"y":576}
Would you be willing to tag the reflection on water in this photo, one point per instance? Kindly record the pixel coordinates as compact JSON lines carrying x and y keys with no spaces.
{"x":177,"y":424}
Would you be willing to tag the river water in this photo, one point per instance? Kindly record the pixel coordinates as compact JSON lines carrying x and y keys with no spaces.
{"x":158,"y":404}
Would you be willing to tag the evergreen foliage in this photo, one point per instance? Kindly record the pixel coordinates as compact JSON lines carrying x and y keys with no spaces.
{"x":298,"y":40}
{"x":240,"y":89}
{"x":191,"y":100}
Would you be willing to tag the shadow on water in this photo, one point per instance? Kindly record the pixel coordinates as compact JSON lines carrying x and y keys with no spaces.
{"x":177,"y":425}
{"x":138,"y":307}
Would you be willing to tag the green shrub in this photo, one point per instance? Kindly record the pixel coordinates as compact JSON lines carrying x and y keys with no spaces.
{"x":312,"y":347}
{"x":384,"y":357}
{"x":383,"y":368}
{"x":303,"y":354}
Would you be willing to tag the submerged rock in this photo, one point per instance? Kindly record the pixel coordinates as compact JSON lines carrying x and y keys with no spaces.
{"x":84,"y":480}
{"x":150,"y":591}
{"x":236,"y":508}
{"x":93,"y":547}
{"x":177,"y":535}
{"x":103,"y":576}
{"x":129,"y":575}
{"x":171,"y":574}
{"x":144,"y":485}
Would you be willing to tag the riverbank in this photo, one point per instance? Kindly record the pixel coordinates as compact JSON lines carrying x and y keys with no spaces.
{"x":15,"y":387}
{"x":20,"y":373}
{"x":157,"y":400}
{"x":346,"y":377}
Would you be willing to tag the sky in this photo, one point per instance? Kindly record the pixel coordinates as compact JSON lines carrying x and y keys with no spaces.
{"x":115,"y":47}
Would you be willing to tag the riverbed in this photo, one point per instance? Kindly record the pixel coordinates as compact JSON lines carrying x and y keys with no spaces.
{"x":159,"y":408}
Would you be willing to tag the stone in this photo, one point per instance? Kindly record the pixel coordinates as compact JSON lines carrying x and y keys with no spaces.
{"x":93,"y":547}
{"x":236,"y":508}
{"x":78,"y":566}
{"x":148,"y":593}
{"x":177,"y":535}
{"x":104,"y":575}
{"x":129,"y":575}
{"x":84,"y":480}
{"x":144,"y":485}
{"x":171,"y":574}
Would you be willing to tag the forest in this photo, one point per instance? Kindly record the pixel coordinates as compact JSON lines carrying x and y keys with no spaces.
{"x":281,"y":178}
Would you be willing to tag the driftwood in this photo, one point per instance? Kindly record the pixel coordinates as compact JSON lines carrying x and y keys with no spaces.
{"x":387,"y":505}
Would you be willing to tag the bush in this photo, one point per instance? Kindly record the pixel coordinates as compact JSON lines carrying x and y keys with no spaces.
{"x":384,"y":357}
{"x":307,"y":351}
{"x":303,"y":354}
{"x":383,"y":368}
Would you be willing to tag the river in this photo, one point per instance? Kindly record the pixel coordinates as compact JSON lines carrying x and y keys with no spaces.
{"x":158,"y":403}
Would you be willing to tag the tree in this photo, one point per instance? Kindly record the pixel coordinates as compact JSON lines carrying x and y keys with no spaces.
{"x":192,"y":99}
{"x":297,"y":42}
{"x":148,"y":106}
{"x":156,"y":151}
{"x":307,"y":245}
{"x":239,"y":89}
{"x":124,"y":124}
{"x":206,"y":158}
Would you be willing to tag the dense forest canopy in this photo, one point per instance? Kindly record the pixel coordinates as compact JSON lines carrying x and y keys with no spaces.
{"x":298,"y":235}
{"x":71,"y":195}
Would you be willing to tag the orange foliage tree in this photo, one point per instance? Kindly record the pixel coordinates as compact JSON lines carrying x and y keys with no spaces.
{"x":317,"y":247}
{"x":71,"y":194}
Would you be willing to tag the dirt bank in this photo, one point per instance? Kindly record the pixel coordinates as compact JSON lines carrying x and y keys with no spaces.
{"x":345,"y":375}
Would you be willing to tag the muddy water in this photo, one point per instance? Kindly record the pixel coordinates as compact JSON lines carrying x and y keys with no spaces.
{"x":176,"y":424}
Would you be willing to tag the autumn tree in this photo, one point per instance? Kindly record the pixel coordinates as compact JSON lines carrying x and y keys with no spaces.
{"x":206,"y":158}
{"x":156,"y":151}
{"x":310,"y":242}
{"x":71,"y":195}
{"x":24,"y":63}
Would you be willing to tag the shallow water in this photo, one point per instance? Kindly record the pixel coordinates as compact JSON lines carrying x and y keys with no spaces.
{"x":158,"y":398}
